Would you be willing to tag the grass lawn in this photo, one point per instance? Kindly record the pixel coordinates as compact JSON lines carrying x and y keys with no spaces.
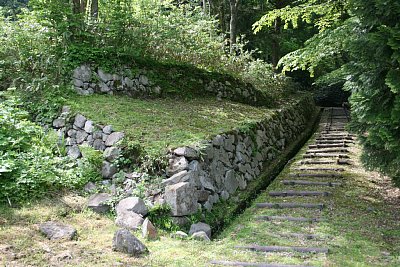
{"x":362,"y":229}
{"x":158,"y":124}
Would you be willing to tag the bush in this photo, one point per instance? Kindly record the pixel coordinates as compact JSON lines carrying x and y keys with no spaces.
{"x":31,"y":163}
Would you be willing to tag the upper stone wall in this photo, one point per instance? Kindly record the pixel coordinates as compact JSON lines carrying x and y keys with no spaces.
{"x":88,"y":80}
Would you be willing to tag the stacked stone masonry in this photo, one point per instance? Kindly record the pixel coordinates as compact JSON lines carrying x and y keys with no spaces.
{"x":200,"y":178}
{"x":87,"y":81}
{"x":79,"y":130}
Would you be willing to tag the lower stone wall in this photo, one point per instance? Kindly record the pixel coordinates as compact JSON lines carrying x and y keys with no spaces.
{"x":198,"y":178}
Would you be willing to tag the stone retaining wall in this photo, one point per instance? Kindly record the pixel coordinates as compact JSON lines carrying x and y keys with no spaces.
{"x":88,"y":80}
{"x":78,"y":130}
{"x":226,"y":164}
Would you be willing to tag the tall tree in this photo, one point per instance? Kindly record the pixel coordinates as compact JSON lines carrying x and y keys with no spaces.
{"x":234,"y":7}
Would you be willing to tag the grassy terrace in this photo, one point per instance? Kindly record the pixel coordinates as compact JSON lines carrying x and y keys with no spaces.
{"x":161,"y":123}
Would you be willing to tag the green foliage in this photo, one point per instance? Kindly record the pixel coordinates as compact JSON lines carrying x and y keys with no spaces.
{"x":31,"y":164}
{"x":362,"y":53}
{"x":160,"y":216}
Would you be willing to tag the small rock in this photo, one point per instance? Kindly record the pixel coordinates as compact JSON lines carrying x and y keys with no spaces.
{"x":98,"y":144}
{"x":224,"y":195}
{"x":124,"y":241}
{"x":80,"y":121}
{"x":187,"y":152}
{"x":113,"y":138}
{"x":63,"y":256}
{"x":108,"y":170}
{"x":58,"y":123}
{"x":111,"y":153}
{"x":90,"y":187}
{"x":132,"y":204}
{"x":179,"y":235}
{"x":176,"y":165}
{"x":203,"y":195}
{"x":200,"y":227}
{"x":107,"y":129}
{"x":129,"y":220}
{"x":81,"y":136}
{"x":148,"y":230}
{"x":201,"y":236}
{"x":89,"y":126}
{"x":176,"y":178}
{"x":56,"y":230}
{"x":105,"y":77}
{"x":143,"y":80}
{"x":74,"y":152}
{"x":97,"y":202}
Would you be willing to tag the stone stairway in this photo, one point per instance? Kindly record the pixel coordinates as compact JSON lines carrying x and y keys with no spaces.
{"x":308,"y":187}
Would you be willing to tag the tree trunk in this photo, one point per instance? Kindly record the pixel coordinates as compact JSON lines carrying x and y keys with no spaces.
{"x":94,"y":9}
{"x":276,"y":47}
{"x":234,"y":4}
{"x":204,"y":7}
{"x":76,"y":6}
{"x":83,"y":6}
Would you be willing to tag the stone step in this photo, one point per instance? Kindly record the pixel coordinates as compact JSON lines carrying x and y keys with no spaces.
{"x":302,"y":236}
{"x":345,"y":138}
{"x":252,"y":264}
{"x":327,"y":150}
{"x":326,"y":162}
{"x":320,"y":169}
{"x":284,"y":249}
{"x":328,"y":146}
{"x":287,"y":218}
{"x":322,"y":142}
{"x":319,"y":175}
{"x":319,"y":206}
{"x":290,"y":193}
{"x":325,"y":155}
{"x":303,"y":182}
{"x":314,"y":162}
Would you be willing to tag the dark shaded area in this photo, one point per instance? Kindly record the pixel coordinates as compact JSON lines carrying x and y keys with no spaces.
{"x":330,"y":96}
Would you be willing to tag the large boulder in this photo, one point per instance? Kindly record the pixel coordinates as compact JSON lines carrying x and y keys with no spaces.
{"x":182,"y":197}
{"x":231,"y":183}
{"x":124,"y":241}
{"x":56,"y":230}
{"x":98,"y":202}
{"x":132,"y":204}
{"x":199,"y":227}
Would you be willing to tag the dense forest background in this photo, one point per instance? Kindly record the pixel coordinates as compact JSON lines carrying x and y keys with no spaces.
{"x":333,"y":47}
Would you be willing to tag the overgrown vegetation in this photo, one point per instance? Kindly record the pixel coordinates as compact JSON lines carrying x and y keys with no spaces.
{"x":31,"y":162}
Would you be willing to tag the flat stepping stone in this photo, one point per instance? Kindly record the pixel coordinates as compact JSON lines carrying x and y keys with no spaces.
{"x":290,"y":193}
{"x":238,"y":263}
{"x":290,"y":205}
{"x":329,"y":150}
{"x":320,"y":169}
{"x":302,"y":182}
{"x":329,"y":175}
{"x":284,"y":249}
{"x":287,"y":218}
{"x":325,"y":155}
